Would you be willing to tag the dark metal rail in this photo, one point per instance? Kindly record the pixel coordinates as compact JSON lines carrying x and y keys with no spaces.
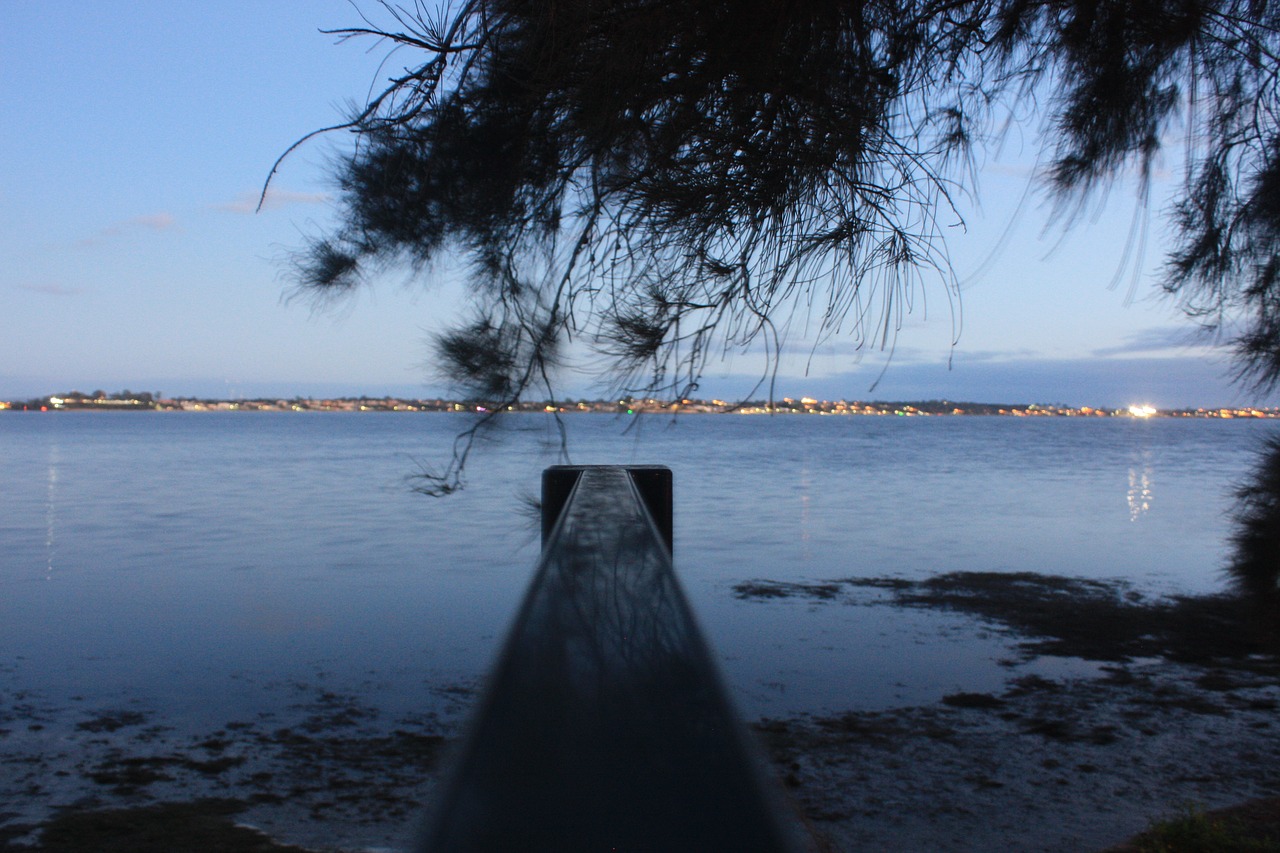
{"x":605,"y":725}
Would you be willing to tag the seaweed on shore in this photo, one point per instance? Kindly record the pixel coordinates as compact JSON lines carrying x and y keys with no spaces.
{"x":764,"y":589}
{"x":1104,"y":620}
{"x":195,"y":826}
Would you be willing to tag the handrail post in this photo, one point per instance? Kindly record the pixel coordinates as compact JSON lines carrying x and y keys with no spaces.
{"x":605,"y":725}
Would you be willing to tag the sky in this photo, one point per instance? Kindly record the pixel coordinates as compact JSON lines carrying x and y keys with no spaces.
{"x":137,"y":136}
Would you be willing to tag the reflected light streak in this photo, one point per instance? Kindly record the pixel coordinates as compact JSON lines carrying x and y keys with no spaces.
{"x":1141,"y":480}
{"x":50,"y":514}
{"x":805,"y":513}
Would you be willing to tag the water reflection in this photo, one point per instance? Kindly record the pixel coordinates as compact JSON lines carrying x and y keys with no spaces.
{"x":1141,"y":481}
{"x":50,"y":507}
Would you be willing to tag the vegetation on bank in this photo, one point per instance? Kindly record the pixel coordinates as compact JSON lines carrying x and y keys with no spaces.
{"x":1249,"y":828}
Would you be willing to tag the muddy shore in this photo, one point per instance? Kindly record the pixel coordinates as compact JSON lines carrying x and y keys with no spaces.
{"x":1184,"y":710}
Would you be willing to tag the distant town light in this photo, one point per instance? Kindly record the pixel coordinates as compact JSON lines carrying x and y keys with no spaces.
{"x":789,"y":406}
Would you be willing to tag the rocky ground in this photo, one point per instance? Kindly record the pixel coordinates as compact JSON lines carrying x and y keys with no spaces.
{"x":1185,"y":711}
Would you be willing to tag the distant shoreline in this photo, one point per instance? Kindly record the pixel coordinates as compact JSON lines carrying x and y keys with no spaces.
{"x":130,"y":402}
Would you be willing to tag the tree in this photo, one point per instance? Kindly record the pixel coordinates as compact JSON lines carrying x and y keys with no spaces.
{"x":664,"y":181}
{"x":1255,"y":559}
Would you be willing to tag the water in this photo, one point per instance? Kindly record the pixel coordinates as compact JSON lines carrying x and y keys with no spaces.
{"x":210,"y":566}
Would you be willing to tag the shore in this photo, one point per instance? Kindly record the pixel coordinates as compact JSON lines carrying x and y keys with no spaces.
{"x":1183,"y":712}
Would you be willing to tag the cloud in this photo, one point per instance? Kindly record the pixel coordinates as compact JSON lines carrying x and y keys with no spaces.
{"x":154,"y":221}
{"x":838,"y":354}
{"x":51,"y":289}
{"x":1155,"y":340}
{"x":247,"y":202}
{"x":992,"y":355}
{"x":1186,"y":381}
{"x":146,"y":222}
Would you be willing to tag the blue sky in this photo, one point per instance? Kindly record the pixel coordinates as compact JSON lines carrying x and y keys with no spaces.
{"x":136,"y":137}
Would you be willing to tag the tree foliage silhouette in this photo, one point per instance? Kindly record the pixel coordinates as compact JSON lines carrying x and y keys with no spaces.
{"x":663,"y":182}
{"x":1255,"y":559}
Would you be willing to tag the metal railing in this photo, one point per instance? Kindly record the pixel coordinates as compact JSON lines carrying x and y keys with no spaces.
{"x":605,"y":725}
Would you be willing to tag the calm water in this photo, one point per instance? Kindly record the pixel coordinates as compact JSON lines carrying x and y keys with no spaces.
{"x":212,"y":565}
